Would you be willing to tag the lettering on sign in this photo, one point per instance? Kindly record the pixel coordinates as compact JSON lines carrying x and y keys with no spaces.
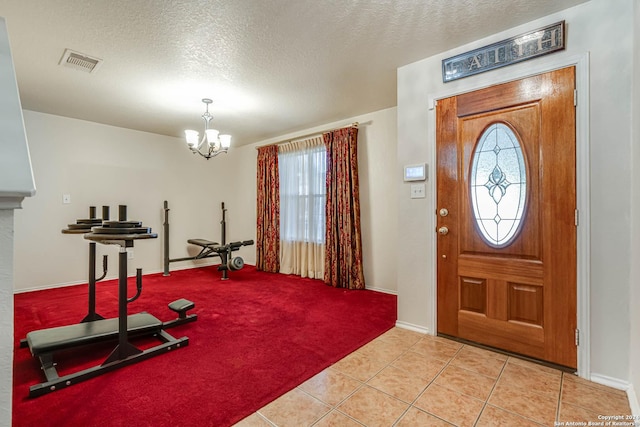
{"x":516,"y":49}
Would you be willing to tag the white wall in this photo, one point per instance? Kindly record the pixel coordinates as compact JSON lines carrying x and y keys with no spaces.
{"x":634,"y":300}
{"x":6,"y":315}
{"x":604,"y":29}
{"x":377,"y":174}
{"x":104,"y":165}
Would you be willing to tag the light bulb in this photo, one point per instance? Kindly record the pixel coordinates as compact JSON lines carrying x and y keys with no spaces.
{"x":225,"y":141}
{"x":212,"y":136}
{"x":192,"y":137}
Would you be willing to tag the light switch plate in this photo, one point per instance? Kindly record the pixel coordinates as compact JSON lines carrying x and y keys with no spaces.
{"x":418,"y":191}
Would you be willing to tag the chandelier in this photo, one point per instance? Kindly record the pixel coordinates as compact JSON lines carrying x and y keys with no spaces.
{"x":212,"y":143}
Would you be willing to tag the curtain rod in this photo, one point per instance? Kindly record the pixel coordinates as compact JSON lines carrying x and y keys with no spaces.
{"x":297,"y":138}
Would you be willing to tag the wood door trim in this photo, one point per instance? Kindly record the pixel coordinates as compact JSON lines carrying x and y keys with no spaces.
{"x":551,"y":120}
{"x":543,"y":65}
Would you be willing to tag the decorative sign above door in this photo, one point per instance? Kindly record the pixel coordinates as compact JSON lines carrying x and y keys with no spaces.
{"x":516,"y":49}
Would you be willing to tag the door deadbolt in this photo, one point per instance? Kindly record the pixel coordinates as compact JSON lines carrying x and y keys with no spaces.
{"x":444,"y":212}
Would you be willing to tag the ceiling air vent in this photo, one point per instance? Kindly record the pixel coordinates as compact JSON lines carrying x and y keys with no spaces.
{"x":79,"y":61}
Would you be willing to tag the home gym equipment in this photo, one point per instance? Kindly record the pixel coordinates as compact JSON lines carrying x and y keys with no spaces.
{"x":208,"y":248}
{"x":83,"y":226}
{"x":45,"y":343}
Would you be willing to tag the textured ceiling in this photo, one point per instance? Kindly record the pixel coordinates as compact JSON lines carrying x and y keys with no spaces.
{"x":270,"y":66}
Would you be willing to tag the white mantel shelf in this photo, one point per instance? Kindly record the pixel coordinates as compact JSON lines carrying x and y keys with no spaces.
{"x":16,"y":174}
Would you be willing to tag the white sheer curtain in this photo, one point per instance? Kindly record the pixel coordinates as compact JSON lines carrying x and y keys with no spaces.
{"x":302,"y":166}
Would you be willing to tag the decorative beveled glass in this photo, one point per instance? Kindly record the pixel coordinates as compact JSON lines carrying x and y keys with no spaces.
{"x":498,"y":185}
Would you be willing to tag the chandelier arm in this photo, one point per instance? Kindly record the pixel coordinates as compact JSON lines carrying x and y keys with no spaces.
{"x":215,"y":153}
{"x":202,"y":141}
{"x":211,"y":153}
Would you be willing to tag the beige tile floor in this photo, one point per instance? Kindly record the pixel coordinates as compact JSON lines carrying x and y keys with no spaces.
{"x":404,"y":378}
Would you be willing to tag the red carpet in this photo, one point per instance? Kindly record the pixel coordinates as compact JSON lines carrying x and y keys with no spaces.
{"x":257,"y":336}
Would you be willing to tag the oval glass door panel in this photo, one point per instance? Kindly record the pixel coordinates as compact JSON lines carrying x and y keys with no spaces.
{"x":498,"y":185}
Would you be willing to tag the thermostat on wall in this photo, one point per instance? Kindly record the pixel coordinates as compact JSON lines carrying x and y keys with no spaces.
{"x":415,"y":172}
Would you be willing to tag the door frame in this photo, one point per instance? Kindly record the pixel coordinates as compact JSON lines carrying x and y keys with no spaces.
{"x":531,"y":68}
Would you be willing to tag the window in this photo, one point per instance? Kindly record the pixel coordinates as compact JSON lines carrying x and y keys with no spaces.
{"x":303,"y":193}
{"x":498,"y":185}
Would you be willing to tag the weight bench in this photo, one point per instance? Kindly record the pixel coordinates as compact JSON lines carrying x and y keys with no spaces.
{"x":234,"y":246}
{"x":44,"y":343}
{"x":54,"y":339}
{"x":206,"y":245}
{"x":227,"y":261}
{"x":181,"y":307}
{"x":65,"y":337}
{"x":210,"y":246}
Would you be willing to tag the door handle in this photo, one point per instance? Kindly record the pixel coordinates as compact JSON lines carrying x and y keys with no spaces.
{"x":443,"y":230}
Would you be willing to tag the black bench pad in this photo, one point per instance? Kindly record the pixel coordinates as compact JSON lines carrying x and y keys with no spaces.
{"x":60,"y":338}
{"x":181,"y":305}
{"x":202,"y":242}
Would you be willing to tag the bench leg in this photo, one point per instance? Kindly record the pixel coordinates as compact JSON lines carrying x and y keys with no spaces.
{"x":48,"y":366}
{"x":55,"y":383}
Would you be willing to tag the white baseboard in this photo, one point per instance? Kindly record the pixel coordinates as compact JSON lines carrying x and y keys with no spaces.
{"x":620,"y":385}
{"x":200,"y":264}
{"x":633,"y":401}
{"x":204,"y":263}
{"x":616,"y":383}
{"x":384,"y":291}
{"x":53,"y":286}
{"x":412,"y":327}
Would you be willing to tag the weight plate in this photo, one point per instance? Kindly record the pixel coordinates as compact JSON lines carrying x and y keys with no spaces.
{"x":122,"y":230}
{"x":79,"y":231}
{"x":122,"y":224}
{"x":89,"y":221}
{"x":117,"y":238}
{"x":236,"y":263}
{"x":80,"y":227}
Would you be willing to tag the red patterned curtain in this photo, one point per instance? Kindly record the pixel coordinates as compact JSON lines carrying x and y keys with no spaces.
{"x":268,"y":211}
{"x":343,"y":258}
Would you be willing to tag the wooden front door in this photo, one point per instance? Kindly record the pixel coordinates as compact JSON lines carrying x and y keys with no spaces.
{"x":506,"y":209}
